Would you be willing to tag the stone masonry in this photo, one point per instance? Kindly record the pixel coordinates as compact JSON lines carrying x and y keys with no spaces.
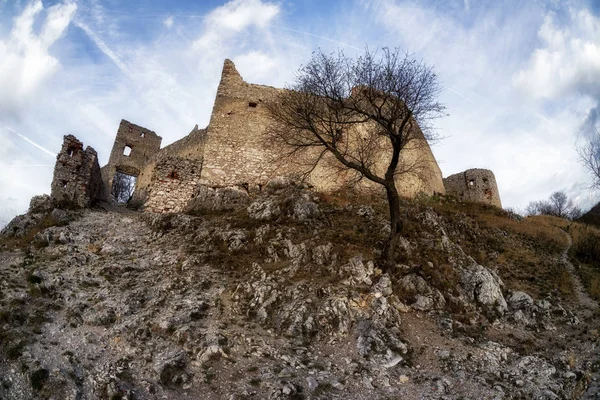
{"x":133,"y":147}
{"x":185,"y":157}
{"x":476,"y":185}
{"x":237,"y":151}
{"x":77,"y":181}
{"x":234,"y":151}
{"x":173,"y":184}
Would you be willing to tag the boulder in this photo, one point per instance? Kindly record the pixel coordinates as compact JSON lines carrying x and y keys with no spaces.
{"x":40,"y":204}
{"x":484,"y":288}
{"x":207,"y":199}
{"x":519,"y":301}
{"x":264,"y":209}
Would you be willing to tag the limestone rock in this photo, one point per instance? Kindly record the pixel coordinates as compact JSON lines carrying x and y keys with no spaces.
{"x":264,"y":210}
{"x":484,"y":287}
{"x":208,"y":199}
{"x":519,"y":301}
{"x":40,"y":204}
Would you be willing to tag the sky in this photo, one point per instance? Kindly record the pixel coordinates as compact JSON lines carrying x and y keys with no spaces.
{"x":521,"y":78}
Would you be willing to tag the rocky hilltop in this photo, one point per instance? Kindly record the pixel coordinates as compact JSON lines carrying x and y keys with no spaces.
{"x":279,"y":296}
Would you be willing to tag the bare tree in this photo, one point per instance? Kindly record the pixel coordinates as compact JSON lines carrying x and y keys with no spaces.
{"x":363,"y":112}
{"x":589,"y":155}
{"x":561,"y":204}
{"x":558,"y":205}
{"x":122,"y":187}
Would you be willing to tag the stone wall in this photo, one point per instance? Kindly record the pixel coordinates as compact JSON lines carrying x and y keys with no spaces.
{"x":234,"y":151}
{"x":476,"y":185}
{"x":191,"y":147}
{"x":132,"y":149}
{"x":77,"y":181}
{"x":173,"y":184}
{"x":238,"y":153}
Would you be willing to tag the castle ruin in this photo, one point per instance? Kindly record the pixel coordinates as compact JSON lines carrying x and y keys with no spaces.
{"x":133,"y":147}
{"x":77,"y":181}
{"x":234,"y":151}
{"x":475,"y":185}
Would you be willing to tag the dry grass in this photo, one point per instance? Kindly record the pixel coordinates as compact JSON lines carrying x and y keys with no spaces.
{"x":524,"y":251}
{"x":584,"y":251}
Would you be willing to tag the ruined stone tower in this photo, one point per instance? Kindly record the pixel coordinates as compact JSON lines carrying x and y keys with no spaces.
{"x":476,"y":185}
{"x":133,"y":147}
{"x":77,"y":181}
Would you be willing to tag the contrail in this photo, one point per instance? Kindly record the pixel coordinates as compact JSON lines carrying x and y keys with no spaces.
{"x":45,"y":150}
{"x":537,"y":114}
{"x":316,"y":36}
{"x":460,"y":94}
{"x":103,"y":47}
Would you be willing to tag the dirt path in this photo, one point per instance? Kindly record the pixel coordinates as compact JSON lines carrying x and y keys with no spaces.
{"x":586,"y":303}
{"x":587,"y":307}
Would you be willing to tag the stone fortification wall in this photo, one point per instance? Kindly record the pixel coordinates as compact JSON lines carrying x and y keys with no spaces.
{"x":132,"y":149}
{"x":476,"y":185}
{"x":191,"y":147}
{"x":77,"y":181}
{"x":237,"y":153}
{"x":173,"y":184}
{"x":234,"y":151}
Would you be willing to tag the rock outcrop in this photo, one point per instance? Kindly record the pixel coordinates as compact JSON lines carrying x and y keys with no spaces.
{"x":239,"y":301}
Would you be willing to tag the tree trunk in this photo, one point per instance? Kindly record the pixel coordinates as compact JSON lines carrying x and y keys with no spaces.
{"x":395,"y":222}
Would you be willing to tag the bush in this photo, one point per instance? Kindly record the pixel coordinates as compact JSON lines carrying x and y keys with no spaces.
{"x":587,"y":249}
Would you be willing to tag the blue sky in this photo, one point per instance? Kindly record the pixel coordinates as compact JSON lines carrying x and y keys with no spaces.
{"x":521,"y":78}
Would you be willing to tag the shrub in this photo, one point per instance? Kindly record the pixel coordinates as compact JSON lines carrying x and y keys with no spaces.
{"x":587,"y":249}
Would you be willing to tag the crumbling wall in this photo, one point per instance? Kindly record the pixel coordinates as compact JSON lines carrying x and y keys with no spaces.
{"x":173,"y":184}
{"x":237,"y":152}
{"x":234,"y":151}
{"x":132,"y":149}
{"x":190,"y":147}
{"x":77,"y":181}
{"x":476,"y":185}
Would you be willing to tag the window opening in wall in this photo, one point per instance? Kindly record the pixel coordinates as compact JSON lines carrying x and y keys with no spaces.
{"x":123,"y":187}
{"x":485,"y":180}
{"x":127,"y":151}
{"x":142,"y":134}
{"x":64,"y":183}
{"x":252,"y":104}
{"x":173,"y":175}
{"x":471,"y":182}
{"x":70,"y":152}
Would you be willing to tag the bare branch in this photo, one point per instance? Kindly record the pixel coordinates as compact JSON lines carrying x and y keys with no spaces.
{"x":363,"y":112}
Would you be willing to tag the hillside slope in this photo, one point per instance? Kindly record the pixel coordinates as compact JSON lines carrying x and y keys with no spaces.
{"x":283,"y":300}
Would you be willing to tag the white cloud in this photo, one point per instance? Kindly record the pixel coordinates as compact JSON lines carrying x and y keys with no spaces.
{"x":567,"y":61}
{"x":168,"y":22}
{"x":237,"y":15}
{"x":26,"y":61}
{"x":232,"y":18}
{"x":528,"y":144}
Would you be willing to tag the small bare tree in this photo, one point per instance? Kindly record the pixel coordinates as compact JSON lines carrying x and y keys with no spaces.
{"x":122,"y":187}
{"x":558,"y":205}
{"x":589,"y":155}
{"x":364,"y":112}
